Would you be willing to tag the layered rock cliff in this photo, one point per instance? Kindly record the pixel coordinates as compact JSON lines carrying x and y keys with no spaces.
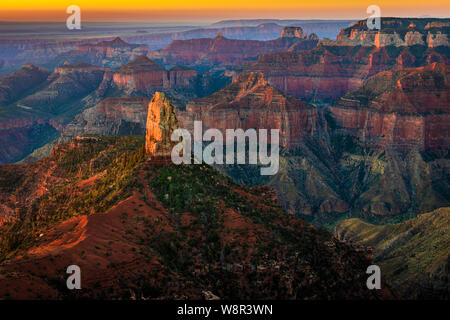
{"x":111,"y":117}
{"x":400,"y":109}
{"x":328,"y":71}
{"x":377,"y":153}
{"x":397,"y":32}
{"x":250,"y":102}
{"x":65,"y":85}
{"x":223,"y":51}
{"x":144,"y":76}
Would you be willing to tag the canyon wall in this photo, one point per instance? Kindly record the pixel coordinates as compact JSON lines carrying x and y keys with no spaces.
{"x":407,"y":108}
{"x":145,"y":76}
{"x":396,"y":32}
{"x":250,"y":102}
{"x":224,"y":51}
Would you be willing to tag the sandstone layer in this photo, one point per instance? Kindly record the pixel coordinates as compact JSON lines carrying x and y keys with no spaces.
{"x":400,"y":109}
{"x":328,"y":72}
{"x":145,"y":76}
{"x":250,"y":102}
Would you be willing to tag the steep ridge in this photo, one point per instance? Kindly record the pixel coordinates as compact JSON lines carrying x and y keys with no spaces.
{"x":401,"y":109}
{"x":223,"y":51}
{"x":413,"y":255}
{"x":16,"y":84}
{"x":110,"y":54}
{"x":133,"y":224}
{"x":66,"y":84}
{"x":39,"y":105}
{"x":250,"y":102}
{"x":111,"y":117}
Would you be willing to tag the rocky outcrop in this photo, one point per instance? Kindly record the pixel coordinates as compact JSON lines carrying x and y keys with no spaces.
{"x":161,"y":122}
{"x":141,"y":75}
{"x":293,"y":32}
{"x":401,"y":109}
{"x":250,"y":102}
{"x":226,"y":52}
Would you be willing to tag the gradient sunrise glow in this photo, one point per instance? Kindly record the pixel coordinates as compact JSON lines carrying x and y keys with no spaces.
{"x":173,"y":10}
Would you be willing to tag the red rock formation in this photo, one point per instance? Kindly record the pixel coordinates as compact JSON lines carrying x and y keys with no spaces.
{"x":250,"y":102}
{"x":223,"y":51}
{"x":141,"y":75}
{"x":405,"y":108}
{"x":161,"y":122}
{"x":146,"y":76}
{"x":293,"y":32}
{"x":328,"y":72}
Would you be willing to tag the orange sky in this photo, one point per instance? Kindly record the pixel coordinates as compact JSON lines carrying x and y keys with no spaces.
{"x":201,"y":10}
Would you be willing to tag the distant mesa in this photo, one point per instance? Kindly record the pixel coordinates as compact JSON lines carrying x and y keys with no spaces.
{"x":221,"y":51}
{"x":111,"y":54}
{"x":293,"y":32}
{"x":141,"y":64}
{"x":115,"y":43}
{"x":220,"y":36}
{"x":145,"y":76}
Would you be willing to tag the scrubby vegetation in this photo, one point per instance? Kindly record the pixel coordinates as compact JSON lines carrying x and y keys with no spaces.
{"x":109,"y":161}
{"x":413,"y":255}
{"x":188,"y":229}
